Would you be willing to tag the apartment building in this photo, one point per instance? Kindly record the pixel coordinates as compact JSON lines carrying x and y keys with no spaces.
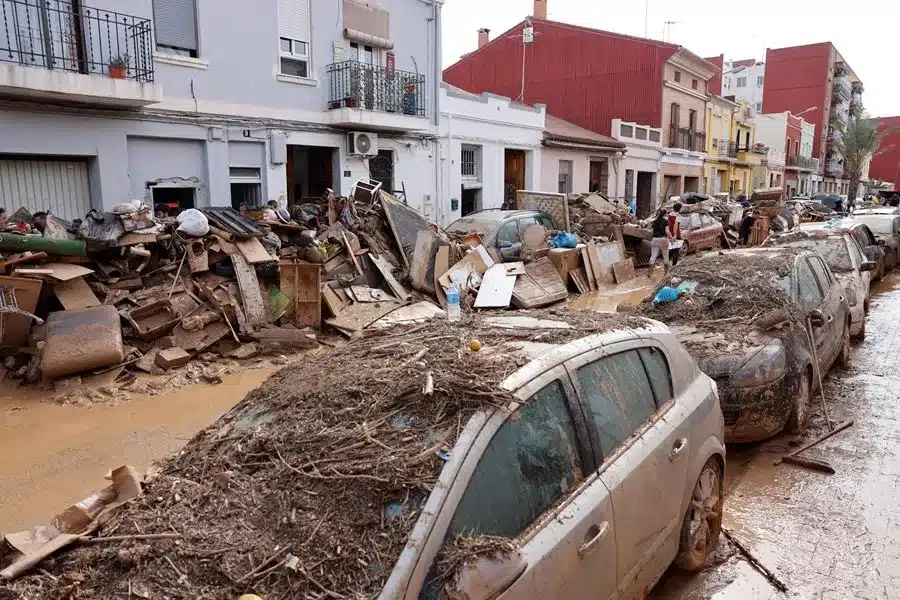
{"x":659,"y":87}
{"x":791,"y":138}
{"x":816,"y":81}
{"x":745,"y":80}
{"x":204,"y":102}
{"x":885,"y":166}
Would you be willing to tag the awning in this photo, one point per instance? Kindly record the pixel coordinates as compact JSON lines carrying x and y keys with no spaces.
{"x":368,"y":39}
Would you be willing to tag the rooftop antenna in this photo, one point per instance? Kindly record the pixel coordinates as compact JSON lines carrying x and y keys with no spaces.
{"x":667,"y":30}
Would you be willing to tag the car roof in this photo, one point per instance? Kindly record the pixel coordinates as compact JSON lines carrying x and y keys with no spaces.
{"x":496,"y":214}
{"x":890,"y":210}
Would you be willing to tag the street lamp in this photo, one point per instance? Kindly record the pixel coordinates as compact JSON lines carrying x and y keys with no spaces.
{"x":803,"y":112}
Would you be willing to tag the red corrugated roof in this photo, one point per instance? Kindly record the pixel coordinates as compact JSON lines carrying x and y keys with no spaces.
{"x":564,"y":131}
{"x":747,"y":62}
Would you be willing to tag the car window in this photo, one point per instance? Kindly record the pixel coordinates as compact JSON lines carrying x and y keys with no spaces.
{"x":530,"y":463}
{"x":896,"y":228}
{"x":525,"y":223}
{"x":545,"y":221}
{"x":658,"y":372}
{"x":855,"y":253}
{"x":695,"y":221}
{"x":808,"y":292}
{"x":685,"y":222}
{"x":618,"y":395}
{"x":706,"y":221}
{"x":508,"y":232}
{"x":818,"y":268}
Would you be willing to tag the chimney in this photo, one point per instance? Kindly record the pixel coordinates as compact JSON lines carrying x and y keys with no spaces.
{"x":540,"y":9}
{"x":484,"y":36}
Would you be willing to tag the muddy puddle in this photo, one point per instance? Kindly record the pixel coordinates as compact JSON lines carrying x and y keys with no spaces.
{"x":54,"y":454}
{"x":609,"y":298}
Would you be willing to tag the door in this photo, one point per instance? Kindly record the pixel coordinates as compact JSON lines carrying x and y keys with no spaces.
{"x":834,"y":306}
{"x":381,"y":168}
{"x":59,"y":186}
{"x":534,"y":460}
{"x":514,"y":175}
{"x":710,"y":232}
{"x":644,"y":193}
{"x":810,"y":298}
{"x":857,"y":258}
{"x":644,"y":443}
{"x":600,"y":176}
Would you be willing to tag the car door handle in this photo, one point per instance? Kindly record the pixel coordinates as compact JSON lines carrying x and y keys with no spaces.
{"x":842,"y":299}
{"x":677,"y":449}
{"x":590,"y":545}
{"x":830,"y":318}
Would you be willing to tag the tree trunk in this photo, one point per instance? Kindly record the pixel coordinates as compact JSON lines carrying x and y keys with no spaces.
{"x":854,"y":187}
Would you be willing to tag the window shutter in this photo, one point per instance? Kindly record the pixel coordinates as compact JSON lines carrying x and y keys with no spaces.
{"x":176,"y":23}
{"x":293,"y":19}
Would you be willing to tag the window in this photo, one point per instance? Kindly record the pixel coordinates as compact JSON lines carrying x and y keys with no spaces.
{"x":695,"y":222}
{"x":706,"y":221}
{"x":626,"y":131}
{"x":565,"y":177}
{"x":367,"y":55}
{"x":469,"y":166}
{"x":640,"y":133}
{"x":659,"y":374}
{"x":175,"y":22}
{"x":654,"y":136}
{"x":530,"y":463}
{"x":741,"y":82}
{"x":759,"y":81}
{"x":692,"y":119}
{"x":677,"y":76}
{"x":808,"y":292}
{"x":759,"y":107}
{"x":821,"y":273}
{"x":675,"y":114}
{"x":294,"y":38}
{"x":619,"y":397}
{"x":294,"y":58}
{"x":508,"y":233}
{"x":546,"y":221}
{"x":693,"y":84}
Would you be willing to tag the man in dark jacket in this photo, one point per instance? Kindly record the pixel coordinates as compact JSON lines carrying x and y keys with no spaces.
{"x":660,"y":241}
{"x":747,"y":225}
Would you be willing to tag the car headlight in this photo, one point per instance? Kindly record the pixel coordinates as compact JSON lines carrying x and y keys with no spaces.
{"x":760,"y":367}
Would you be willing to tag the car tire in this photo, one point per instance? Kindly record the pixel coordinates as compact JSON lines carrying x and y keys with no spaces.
{"x":843,"y":359}
{"x":685,"y":249}
{"x":862,"y":332}
{"x":799,"y":418}
{"x":703,"y":519}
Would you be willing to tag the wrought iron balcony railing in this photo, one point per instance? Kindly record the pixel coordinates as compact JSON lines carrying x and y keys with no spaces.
{"x":354,"y":84}
{"x":687,"y":138}
{"x":805,"y":162}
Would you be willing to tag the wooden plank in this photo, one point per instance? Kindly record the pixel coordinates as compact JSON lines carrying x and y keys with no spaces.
{"x":421,"y":258}
{"x":385,"y":269}
{"x":472,"y":263}
{"x":305,"y":282}
{"x":441,"y":266}
{"x":358,"y":316}
{"x":405,"y":224}
{"x":624,"y":270}
{"x":75,"y":293}
{"x":16,"y":327}
{"x":353,"y":258}
{"x":252,"y":250}
{"x":588,"y":271}
{"x":332,"y":300}
{"x":603,"y":257}
{"x":578,"y":278}
{"x":32,"y":272}
{"x":133,"y":238}
{"x":251,"y":298}
{"x":496,"y":288}
{"x":66,"y":271}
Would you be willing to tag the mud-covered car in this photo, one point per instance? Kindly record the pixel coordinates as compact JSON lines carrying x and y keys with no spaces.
{"x":867,"y":241}
{"x":886,"y":227}
{"x":502,"y":230}
{"x":700,"y":231}
{"x":574,"y":457}
{"x":743,"y":315}
{"x":847,"y":263}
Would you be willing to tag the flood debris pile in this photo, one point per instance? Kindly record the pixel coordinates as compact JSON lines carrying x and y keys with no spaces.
{"x":729,"y":296}
{"x":311,"y":485}
{"x":593,"y":215}
{"x":466,"y":551}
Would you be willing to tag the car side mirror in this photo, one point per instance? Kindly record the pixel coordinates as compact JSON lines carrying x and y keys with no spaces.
{"x":867,"y":266}
{"x":487,"y":577}
{"x":816,"y":318}
{"x":880,"y":242}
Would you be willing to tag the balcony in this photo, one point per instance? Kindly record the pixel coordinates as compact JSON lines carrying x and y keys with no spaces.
{"x":66,"y":51}
{"x":727,"y":149}
{"x":366,"y":96}
{"x":842,"y":87}
{"x":805,"y":163}
{"x":687,"y":139}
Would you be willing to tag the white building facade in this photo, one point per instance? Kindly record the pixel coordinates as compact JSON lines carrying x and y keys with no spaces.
{"x":745,"y":80}
{"x":640,"y":165}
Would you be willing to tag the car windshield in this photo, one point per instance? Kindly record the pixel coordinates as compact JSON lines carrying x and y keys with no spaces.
{"x":832,"y":249}
{"x":882,"y":225}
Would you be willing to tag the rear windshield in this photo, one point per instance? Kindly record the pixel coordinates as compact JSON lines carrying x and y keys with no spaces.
{"x":833,"y":250}
{"x":479,"y":226}
{"x":880,"y":225}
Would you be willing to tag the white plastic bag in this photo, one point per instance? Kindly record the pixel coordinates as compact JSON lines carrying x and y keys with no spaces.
{"x":193,"y":222}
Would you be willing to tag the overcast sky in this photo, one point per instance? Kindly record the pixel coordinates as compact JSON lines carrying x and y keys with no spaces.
{"x":864,"y":31}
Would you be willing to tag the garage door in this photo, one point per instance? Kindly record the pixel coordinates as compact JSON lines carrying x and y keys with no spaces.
{"x":57,"y":186}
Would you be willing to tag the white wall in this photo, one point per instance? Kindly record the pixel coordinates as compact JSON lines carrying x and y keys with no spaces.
{"x":752,"y":92}
{"x":807,"y":134}
{"x":493,"y":124}
{"x":771,"y":130}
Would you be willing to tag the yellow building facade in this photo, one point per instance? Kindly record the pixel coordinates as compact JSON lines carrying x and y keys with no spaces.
{"x":720,"y":148}
{"x":749,"y":155}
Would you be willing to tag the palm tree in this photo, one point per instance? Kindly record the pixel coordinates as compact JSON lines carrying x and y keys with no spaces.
{"x":858,"y":141}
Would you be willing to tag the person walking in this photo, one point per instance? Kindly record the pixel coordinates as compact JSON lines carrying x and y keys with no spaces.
{"x":747,"y":225}
{"x":674,"y":234}
{"x":660,"y":241}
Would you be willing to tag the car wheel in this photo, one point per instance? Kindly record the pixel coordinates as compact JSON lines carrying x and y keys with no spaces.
{"x":685,"y":248}
{"x":862,"y":332}
{"x":844,"y":356}
{"x":799,"y":418}
{"x":866,"y":306}
{"x":703,"y":519}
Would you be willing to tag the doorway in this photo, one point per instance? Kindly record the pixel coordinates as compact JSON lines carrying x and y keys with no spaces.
{"x":691,"y":184}
{"x":310,"y":171}
{"x":600,"y":176}
{"x":514,"y":175}
{"x":175,"y":199}
{"x":381,"y":168}
{"x":471,"y":201}
{"x":644,"y":193}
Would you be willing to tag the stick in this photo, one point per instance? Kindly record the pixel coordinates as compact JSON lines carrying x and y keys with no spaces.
{"x":122,"y":538}
{"x":818,"y":440}
{"x":177,"y":275}
{"x":428,"y":389}
{"x":261,"y":566}
{"x":812,"y":344}
{"x":419,"y":355}
{"x":810,"y":463}
{"x":754,"y":562}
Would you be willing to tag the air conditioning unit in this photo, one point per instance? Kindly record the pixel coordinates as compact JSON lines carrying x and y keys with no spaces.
{"x":362,"y":144}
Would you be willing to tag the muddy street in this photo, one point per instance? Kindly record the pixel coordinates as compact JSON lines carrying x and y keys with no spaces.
{"x":824,"y":537}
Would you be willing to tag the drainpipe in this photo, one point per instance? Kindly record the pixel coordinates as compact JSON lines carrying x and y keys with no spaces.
{"x":436,"y":87}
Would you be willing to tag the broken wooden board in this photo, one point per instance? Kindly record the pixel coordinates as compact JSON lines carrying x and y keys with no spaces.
{"x":351,"y":254}
{"x":16,"y":327}
{"x":133,"y":238}
{"x":588,"y":270}
{"x":333,"y":301}
{"x":75,"y":293}
{"x":598,"y":269}
{"x":285,"y":340}
{"x":66,"y":271}
{"x":565,"y":260}
{"x":32,"y":272}
{"x":470,"y":269}
{"x":384,"y":268}
{"x":364,"y":293}
{"x":405,"y":224}
{"x":541,"y":285}
{"x":413,"y":313}
{"x":423,"y":261}
{"x":441,"y":266}
{"x":196,"y":342}
{"x":599,"y":203}
{"x":555,"y":205}
{"x":251,"y":298}
{"x":496,"y":288}
{"x":301,"y":283}
{"x":580,"y":280}
{"x":624,"y":270}
{"x":357,"y":317}
{"x":253,"y":250}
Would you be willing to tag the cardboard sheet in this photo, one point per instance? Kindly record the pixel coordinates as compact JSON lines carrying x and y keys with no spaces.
{"x":496,"y":288}
{"x":75,"y":293}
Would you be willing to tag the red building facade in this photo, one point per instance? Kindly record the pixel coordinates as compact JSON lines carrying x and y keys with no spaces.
{"x":886,"y":165}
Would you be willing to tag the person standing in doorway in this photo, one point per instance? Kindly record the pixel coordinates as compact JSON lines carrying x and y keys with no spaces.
{"x":660,"y":241}
{"x":674,"y":234}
